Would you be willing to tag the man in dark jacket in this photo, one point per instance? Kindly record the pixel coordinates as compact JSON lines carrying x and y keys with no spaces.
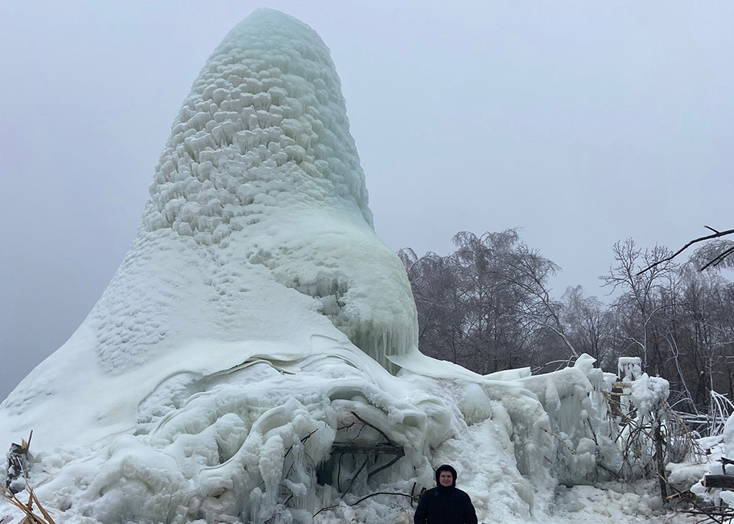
{"x":445,"y":504}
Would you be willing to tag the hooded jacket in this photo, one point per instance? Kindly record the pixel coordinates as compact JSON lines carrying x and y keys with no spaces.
{"x":445,"y":504}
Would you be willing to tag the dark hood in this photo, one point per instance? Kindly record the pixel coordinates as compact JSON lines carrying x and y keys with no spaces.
{"x":446,"y":467}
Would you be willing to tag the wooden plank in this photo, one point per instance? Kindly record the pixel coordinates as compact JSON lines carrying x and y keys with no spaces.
{"x":718,"y":481}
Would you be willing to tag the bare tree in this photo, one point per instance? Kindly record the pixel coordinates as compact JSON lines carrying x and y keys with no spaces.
{"x":637,"y":305}
{"x":440,"y":303}
{"x":588,"y":324}
{"x":484,"y":305}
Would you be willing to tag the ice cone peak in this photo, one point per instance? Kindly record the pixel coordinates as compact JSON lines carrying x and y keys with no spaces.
{"x":264,"y":127}
{"x":258,"y":185}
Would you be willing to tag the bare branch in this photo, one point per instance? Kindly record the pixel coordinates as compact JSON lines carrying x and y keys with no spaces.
{"x":373,"y":427}
{"x":412,"y":497}
{"x":716,"y":261}
{"x":716,"y":234}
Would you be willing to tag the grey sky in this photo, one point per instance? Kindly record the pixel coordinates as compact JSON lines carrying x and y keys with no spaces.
{"x":582,"y":122}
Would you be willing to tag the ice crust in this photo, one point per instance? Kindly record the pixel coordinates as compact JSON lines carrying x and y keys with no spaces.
{"x":257,"y":324}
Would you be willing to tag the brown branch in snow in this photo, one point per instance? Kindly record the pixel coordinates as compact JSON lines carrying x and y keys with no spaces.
{"x":373,"y":427}
{"x":412,"y":497}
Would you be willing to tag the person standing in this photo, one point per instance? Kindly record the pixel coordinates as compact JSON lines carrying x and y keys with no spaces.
{"x":445,"y":504}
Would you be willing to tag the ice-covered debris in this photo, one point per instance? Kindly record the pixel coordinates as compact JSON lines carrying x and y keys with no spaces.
{"x":585,"y":504}
{"x":575,"y":406}
{"x":18,"y":466}
{"x":648,"y":394}
{"x":475,"y":404}
{"x":716,"y":448}
{"x":640,"y":391}
{"x":728,"y":436}
{"x":250,"y":440}
{"x":629,"y":368}
{"x":278,"y":440}
{"x":685,"y":474}
{"x":727,"y":497}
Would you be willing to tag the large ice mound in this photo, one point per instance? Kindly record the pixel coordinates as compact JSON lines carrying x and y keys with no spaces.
{"x":254,"y":358}
{"x":258,"y":219}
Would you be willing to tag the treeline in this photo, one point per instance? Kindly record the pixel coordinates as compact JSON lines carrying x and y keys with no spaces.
{"x":487,"y":307}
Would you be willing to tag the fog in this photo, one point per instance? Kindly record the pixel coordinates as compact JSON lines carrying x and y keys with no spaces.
{"x":581,"y":123}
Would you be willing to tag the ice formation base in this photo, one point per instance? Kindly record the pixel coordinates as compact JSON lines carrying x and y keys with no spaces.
{"x":277,"y":439}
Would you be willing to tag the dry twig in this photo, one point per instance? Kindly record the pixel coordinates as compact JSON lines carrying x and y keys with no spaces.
{"x":31,"y":516}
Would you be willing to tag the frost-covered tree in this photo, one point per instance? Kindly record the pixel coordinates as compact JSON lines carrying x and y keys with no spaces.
{"x":440,"y":304}
{"x":637,"y":307}
{"x":589,"y":325}
{"x":704,"y":335}
{"x":485,"y":306}
{"x":677,"y":319}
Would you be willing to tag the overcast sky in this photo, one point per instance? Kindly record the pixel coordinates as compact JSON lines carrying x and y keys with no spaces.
{"x":582,"y":123}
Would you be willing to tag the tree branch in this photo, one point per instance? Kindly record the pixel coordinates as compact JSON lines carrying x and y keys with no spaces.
{"x":716,"y":261}
{"x":716,"y":234}
{"x":363,"y":421}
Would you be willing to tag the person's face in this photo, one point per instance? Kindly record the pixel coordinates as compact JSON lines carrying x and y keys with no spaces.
{"x":446,"y":478}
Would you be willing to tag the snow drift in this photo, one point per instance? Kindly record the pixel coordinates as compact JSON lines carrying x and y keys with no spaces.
{"x":254,"y":358}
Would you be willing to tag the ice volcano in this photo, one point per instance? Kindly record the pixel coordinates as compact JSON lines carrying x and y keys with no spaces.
{"x":254,"y":358}
{"x":256,"y":241}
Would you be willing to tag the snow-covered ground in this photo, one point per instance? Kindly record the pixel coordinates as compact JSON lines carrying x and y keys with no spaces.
{"x":254,"y":358}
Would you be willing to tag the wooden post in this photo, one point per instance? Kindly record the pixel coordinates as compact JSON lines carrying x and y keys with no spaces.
{"x":660,"y":456}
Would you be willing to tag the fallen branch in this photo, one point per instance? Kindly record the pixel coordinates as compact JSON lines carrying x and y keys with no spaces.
{"x":379,"y":449}
{"x":711,"y":514}
{"x":373,"y":427}
{"x":354,"y":477}
{"x":718,"y":481}
{"x":690,"y":497}
{"x":412,"y":497}
{"x":374,"y":472}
